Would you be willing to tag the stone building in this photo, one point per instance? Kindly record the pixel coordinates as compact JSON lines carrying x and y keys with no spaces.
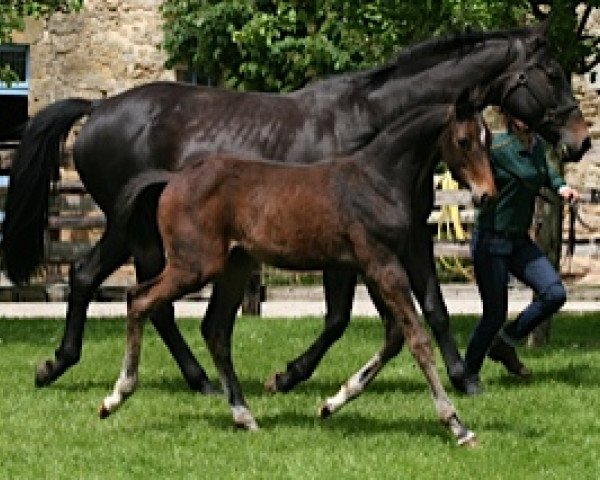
{"x":111,"y":46}
{"x":107,"y":47}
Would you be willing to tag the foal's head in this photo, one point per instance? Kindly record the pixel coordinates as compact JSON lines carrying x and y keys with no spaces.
{"x":465,"y":145}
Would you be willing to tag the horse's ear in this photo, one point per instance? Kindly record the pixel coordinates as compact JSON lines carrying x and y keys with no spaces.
{"x":465,"y":105}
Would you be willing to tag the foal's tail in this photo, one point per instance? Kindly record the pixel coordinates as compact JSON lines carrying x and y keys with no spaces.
{"x":142,"y":191}
{"x":32,"y":169}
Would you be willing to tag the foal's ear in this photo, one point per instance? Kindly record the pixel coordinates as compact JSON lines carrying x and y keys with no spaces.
{"x":465,"y":105}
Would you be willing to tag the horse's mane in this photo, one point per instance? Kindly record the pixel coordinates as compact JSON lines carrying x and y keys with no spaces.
{"x":422,"y":55}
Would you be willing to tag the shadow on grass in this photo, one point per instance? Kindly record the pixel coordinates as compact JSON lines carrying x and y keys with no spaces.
{"x":344,"y":424}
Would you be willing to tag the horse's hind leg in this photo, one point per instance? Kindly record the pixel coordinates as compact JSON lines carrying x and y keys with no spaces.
{"x":84,"y":278}
{"x":339,"y":288}
{"x":217,"y":330}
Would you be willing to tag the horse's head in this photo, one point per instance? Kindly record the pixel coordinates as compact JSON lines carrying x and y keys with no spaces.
{"x":534,"y":89}
{"x":465,"y":145}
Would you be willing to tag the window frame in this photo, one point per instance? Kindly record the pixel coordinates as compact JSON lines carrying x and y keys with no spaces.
{"x":20,"y":88}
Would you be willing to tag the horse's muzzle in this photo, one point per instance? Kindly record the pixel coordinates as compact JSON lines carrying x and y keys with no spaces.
{"x":570,"y":154}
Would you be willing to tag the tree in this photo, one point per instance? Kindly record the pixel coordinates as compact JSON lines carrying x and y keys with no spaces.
{"x":281,"y":45}
{"x":12,"y":17}
{"x":577,"y":50}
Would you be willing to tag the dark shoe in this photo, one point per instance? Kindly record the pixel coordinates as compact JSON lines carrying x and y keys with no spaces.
{"x":502,"y":352}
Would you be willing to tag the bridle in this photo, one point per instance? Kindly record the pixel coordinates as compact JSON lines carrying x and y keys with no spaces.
{"x":516,"y":77}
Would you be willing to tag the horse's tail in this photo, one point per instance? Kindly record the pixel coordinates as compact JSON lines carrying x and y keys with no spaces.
{"x":140,"y":196}
{"x":33,"y":165}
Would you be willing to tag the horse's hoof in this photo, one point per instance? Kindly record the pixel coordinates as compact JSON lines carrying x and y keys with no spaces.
{"x":325,"y":411}
{"x":271,"y":383}
{"x":279,"y":382}
{"x":243,"y":419}
{"x":45,"y":374}
{"x":103,"y":412}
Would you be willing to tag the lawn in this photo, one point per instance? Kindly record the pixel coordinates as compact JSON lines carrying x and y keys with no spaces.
{"x":548,"y":428}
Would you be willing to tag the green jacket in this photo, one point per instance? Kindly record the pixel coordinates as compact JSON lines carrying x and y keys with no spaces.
{"x":512,"y":210}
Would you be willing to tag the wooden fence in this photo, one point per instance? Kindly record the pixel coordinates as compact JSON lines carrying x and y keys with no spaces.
{"x":75,"y":223}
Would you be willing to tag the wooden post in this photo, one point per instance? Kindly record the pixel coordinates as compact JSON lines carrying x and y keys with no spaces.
{"x":548,"y":236}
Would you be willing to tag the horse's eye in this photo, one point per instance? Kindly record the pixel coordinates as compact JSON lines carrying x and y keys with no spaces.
{"x":464,"y":143}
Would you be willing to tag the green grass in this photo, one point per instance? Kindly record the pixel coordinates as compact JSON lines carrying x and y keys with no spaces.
{"x":549,"y":428}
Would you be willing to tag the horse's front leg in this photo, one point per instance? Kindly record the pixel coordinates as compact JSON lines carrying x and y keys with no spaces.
{"x":84,"y":278}
{"x":339,"y":288}
{"x":420,"y":266}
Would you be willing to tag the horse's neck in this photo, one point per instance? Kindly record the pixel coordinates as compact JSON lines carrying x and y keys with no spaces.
{"x":408,"y":142}
{"x":441,"y":78}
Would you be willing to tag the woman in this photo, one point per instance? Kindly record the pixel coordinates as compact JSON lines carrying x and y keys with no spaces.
{"x":501,"y":245}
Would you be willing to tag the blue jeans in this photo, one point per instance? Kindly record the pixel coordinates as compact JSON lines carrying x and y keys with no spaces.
{"x":494,"y":257}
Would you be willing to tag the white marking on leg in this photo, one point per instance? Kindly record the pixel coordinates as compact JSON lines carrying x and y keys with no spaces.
{"x":242,"y":417}
{"x":353,"y":387}
{"x":124,"y":387}
{"x":127,"y":381}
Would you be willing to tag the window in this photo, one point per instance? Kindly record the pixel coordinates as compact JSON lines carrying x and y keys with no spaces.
{"x":17,"y":57}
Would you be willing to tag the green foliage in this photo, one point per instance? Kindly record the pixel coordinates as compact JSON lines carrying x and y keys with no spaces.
{"x":577,"y":51}
{"x":281,"y":45}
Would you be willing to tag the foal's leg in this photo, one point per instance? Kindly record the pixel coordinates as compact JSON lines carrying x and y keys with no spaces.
{"x":128,"y":378}
{"x":339,"y":288}
{"x":359,"y":381}
{"x":149,"y":261}
{"x":171,"y":284}
{"x":217,"y":330}
{"x":392,"y":283}
{"x":420,"y":266}
{"x":85,"y":276}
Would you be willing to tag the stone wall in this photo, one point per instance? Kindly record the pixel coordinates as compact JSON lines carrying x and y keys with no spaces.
{"x":108,"y":47}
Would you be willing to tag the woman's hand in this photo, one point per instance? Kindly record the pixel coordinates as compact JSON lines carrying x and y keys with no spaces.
{"x":568,"y":193}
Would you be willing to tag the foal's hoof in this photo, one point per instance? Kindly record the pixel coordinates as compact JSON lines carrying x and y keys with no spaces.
{"x":469,"y":441}
{"x":473,"y":386}
{"x":324,"y":411}
{"x":103,"y":412}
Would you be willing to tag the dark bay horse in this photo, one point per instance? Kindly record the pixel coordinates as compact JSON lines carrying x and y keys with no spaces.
{"x":351,"y":212}
{"x":164,"y":125}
